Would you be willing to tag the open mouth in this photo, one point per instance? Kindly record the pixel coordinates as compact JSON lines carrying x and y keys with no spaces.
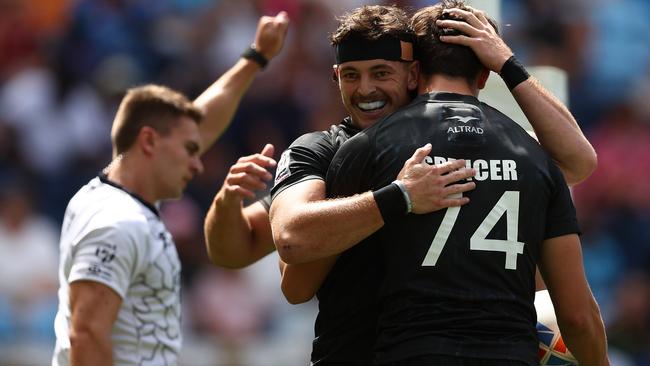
{"x":371,"y":106}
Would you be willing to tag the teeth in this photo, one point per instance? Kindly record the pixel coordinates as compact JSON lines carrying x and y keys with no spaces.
{"x":371,"y":105}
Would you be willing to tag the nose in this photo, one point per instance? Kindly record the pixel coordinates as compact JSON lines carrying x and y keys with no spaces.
{"x":366,"y":86}
{"x":197,"y":165}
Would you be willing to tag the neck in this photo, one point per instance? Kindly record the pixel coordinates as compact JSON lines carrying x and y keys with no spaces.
{"x":443,"y":83}
{"x":126,"y":172}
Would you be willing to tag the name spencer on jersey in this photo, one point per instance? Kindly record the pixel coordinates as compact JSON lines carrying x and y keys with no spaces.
{"x":485,"y":169}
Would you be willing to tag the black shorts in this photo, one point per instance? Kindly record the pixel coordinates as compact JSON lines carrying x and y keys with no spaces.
{"x":441,"y":360}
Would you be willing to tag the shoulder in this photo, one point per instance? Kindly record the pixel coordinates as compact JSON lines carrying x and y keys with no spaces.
{"x":496,"y":116}
{"x":327,"y":139}
{"x":420,"y":108}
{"x":101,"y":207}
{"x":513,"y":128}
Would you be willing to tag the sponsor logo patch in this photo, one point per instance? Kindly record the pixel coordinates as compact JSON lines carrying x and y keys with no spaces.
{"x":106,"y":252}
{"x":283,"y":170}
{"x":464,"y":125}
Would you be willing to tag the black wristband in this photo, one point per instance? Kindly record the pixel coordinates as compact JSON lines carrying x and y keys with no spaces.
{"x":513,"y":72}
{"x":253,"y":54}
{"x":390,"y":201}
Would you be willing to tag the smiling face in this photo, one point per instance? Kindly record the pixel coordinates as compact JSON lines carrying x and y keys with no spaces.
{"x":372,"y":89}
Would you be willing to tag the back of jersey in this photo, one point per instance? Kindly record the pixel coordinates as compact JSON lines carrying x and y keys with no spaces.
{"x":460,"y":281}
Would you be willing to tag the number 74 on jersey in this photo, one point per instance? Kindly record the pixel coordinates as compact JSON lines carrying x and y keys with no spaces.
{"x":508,"y":204}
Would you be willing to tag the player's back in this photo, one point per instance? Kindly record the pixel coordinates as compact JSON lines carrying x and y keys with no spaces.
{"x":461,"y":280}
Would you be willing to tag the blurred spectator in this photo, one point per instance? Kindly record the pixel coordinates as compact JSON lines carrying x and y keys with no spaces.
{"x":18,"y":37}
{"x":555,"y":33}
{"x":616,"y":55}
{"x":618,"y":190}
{"x":28,"y":263}
{"x":629,"y":330}
{"x":604,"y":263}
{"x":226,"y":308}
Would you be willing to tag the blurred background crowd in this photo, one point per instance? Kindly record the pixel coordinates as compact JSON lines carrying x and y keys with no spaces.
{"x":64,"y":65}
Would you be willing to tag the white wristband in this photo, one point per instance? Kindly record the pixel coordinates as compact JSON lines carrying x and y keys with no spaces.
{"x":407,"y":199}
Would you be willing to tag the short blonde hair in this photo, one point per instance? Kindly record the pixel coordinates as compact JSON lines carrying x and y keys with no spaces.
{"x":150,"y":105}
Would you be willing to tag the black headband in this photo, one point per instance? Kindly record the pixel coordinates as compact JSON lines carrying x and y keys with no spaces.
{"x":386,"y":48}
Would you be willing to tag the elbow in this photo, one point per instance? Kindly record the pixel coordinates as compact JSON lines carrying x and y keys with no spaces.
{"x":87,"y":336}
{"x":79,"y":338}
{"x":296,"y":296}
{"x":297,"y":299}
{"x":575,"y":323}
{"x":288,"y":247}
{"x":581,"y":323}
{"x":591,"y":165}
{"x":581,"y":171}
{"x":213,"y":254}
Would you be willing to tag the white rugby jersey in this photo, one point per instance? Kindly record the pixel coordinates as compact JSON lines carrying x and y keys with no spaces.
{"x":113,"y":237}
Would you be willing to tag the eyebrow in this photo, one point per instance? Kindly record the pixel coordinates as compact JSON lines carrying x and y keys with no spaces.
{"x":374,"y":68}
{"x":381,"y":67}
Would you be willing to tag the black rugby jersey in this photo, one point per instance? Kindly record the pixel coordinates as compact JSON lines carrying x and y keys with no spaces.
{"x":309,"y":156}
{"x":340,"y":339}
{"x":460,"y":281}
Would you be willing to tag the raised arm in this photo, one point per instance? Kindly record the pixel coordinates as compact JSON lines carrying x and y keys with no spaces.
{"x":220,"y":101}
{"x":577,"y":312}
{"x":236,"y":236}
{"x":556,"y":128}
{"x":307,"y":227}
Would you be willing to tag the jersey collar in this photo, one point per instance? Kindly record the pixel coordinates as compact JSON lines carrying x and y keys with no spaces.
{"x":450,"y":97}
{"x":104,"y":179}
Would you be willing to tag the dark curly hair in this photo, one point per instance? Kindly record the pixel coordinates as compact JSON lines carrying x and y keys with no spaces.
{"x":437,"y":57}
{"x":372,"y":22}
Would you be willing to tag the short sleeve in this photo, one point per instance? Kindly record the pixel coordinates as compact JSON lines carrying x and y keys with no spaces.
{"x":107,"y":255}
{"x":265,"y":202}
{"x":307,"y":158}
{"x":561,"y":214}
{"x":350,"y":168}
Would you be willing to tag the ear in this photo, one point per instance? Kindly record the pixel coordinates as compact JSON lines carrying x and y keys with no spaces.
{"x":147,"y":140}
{"x":414,"y":74}
{"x":482,"y":78}
{"x":335,"y":74}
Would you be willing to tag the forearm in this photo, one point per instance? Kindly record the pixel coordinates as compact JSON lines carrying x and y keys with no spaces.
{"x":324,"y":228}
{"x":220,"y":101}
{"x":228,"y":236}
{"x":557,"y":130}
{"x":587,"y":342}
{"x":300,"y":282}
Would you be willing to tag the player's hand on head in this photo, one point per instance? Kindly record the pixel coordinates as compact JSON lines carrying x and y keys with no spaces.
{"x":249,"y":174}
{"x":479,"y":35}
{"x":271,"y":34}
{"x":433,"y":187}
